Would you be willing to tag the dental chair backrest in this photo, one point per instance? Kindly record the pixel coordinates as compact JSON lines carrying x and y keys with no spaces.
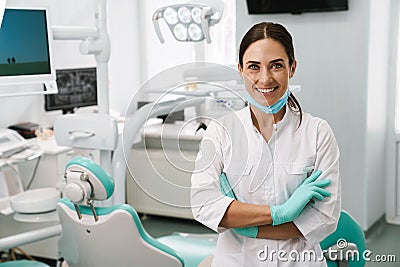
{"x":103,"y":236}
{"x":345,"y":247}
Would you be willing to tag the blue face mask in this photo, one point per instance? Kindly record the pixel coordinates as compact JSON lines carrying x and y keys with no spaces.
{"x":269,"y":109}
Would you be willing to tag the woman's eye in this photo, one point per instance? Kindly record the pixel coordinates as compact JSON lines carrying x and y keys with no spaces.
{"x":276,"y":66}
{"x":253,"y":67}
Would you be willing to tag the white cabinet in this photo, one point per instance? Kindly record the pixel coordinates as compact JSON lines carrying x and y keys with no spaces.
{"x":159,"y":183}
{"x":159,"y":172}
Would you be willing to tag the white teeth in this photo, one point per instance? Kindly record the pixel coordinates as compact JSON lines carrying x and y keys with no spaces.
{"x":265,"y":90}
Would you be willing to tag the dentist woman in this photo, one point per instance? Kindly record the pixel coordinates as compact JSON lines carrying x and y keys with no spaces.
{"x":267,"y":176}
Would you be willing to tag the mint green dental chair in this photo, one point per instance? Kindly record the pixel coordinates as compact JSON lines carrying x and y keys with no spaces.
{"x":23,"y":263}
{"x":347,"y":243}
{"x":114,"y":236}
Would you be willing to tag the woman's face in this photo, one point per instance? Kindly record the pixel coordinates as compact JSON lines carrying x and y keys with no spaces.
{"x":266,"y":71}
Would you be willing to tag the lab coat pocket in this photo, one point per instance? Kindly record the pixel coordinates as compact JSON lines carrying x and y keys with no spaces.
{"x":296,"y":172}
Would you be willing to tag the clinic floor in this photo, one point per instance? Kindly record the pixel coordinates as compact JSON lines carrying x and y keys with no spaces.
{"x":382,"y":238}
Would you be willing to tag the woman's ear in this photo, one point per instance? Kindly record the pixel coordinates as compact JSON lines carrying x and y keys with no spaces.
{"x":293,"y":69}
{"x":240,"y":70}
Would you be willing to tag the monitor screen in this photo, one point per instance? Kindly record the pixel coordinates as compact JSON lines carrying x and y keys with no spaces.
{"x":76,"y":88}
{"x":25,"y":47}
{"x":295,"y":6}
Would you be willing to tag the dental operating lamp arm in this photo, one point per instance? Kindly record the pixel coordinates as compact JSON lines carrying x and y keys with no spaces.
{"x":132,"y":126}
{"x":210,"y":16}
{"x":74,"y":32}
{"x":156,"y":16}
{"x":95,"y":40}
{"x":205,"y":24}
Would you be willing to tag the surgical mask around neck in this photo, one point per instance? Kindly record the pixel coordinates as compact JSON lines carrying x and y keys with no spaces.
{"x":273,"y":109}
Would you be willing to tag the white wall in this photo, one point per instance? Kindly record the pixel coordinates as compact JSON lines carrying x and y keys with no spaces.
{"x":334,"y":53}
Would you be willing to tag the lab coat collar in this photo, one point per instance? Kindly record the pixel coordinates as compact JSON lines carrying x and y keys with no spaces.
{"x":288,"y":117}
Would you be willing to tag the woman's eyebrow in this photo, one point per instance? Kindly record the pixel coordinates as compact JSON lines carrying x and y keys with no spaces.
{"x":277,"y":60}
{"x":258,"y":62}
{"x":253,"y":62}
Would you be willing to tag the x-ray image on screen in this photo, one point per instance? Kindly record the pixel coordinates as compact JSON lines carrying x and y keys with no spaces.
{"x":76,"y":88}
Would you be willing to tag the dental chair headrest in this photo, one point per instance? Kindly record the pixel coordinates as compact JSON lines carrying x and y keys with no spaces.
{"x":86,"y":181}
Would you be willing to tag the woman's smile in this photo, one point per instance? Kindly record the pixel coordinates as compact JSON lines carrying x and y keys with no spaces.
{"x":267,"y":92}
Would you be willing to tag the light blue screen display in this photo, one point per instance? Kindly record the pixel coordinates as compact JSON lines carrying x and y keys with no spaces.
{"x":24,"y":47}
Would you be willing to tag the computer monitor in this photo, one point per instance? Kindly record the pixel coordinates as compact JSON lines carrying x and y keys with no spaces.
{"x":25,"y":48}
{"x":76,"y":88}
{"x":295,"y":6}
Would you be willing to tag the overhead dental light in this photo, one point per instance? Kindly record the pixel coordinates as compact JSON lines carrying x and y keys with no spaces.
{"x":189,"y":22}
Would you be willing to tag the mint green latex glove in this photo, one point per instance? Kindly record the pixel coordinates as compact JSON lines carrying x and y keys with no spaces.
{"x":226,"y":189}
{"x":292,"y":208}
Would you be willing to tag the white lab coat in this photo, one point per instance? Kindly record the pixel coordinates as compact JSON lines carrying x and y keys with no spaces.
{"x":266,"y":173}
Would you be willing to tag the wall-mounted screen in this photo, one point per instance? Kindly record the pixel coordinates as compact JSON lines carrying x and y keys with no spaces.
{"x":76,"y":88}
{"x":295,"y":6}
{"x":25,"y":47}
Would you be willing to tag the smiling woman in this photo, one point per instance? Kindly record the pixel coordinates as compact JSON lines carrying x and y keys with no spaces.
{"x":267,"y":62}
{"x":267,"y":176}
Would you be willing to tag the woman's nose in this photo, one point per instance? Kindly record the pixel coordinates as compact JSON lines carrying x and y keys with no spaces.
{"x":265,"y":76}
